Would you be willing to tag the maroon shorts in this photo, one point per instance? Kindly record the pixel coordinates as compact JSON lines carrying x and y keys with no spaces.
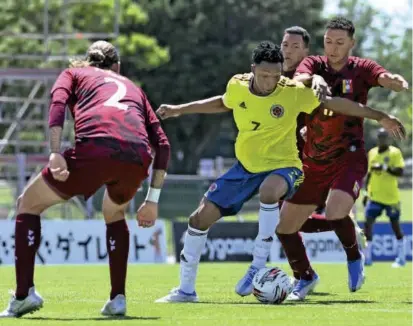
{"x":345,"y":174}
{"x":89,"y":171}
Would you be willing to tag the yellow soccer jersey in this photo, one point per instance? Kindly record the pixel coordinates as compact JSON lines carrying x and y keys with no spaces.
{"x":267,"y":124}
{"x":383,"y":187}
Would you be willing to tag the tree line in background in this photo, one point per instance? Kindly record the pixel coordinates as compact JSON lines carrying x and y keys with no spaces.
{"x":183,"y":50}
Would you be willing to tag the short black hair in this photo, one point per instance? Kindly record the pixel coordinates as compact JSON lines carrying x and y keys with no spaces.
{"x":342,"y":23}
{"x":267,"y":51}
{"x":298,"y":30}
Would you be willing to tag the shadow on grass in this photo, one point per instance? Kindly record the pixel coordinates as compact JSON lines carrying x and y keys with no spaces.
{"x":94,"y":318}
{"x":322,"y":294}
{"x":290,"y":303}
{"x":331,"y":302}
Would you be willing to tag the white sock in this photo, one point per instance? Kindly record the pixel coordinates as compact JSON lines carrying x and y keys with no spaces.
{"x":401,"y":249}
{"x":368,"y":250}
{"x":268,"y":218}
{"x":194,"y":243}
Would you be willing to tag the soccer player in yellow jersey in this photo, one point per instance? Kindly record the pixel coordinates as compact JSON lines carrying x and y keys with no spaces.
{"x":265,"y":106}
{"x":385,"y":165}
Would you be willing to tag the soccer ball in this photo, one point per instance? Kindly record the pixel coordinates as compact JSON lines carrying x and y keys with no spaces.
{"x":271,"y":285}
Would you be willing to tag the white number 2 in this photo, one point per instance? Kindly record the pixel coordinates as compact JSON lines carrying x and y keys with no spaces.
{"x":120,"y":94}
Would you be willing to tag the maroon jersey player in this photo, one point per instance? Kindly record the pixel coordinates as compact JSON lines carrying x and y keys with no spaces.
{"x":295,"y":47}
{"x":334,"y":156}
{"x":115,"y":132}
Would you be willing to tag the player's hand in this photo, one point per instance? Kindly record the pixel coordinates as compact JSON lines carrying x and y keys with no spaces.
{"x":58,"y":167}
{"x":320,"y":88}
{"x":398,"y":83}
{"x":393,"y":126}
{"x":147,"y":214}
{"x":166,"y":111}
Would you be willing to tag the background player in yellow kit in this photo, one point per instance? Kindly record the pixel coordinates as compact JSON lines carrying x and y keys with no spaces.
{"x":265,"y":107}
{"x":386,"y":165}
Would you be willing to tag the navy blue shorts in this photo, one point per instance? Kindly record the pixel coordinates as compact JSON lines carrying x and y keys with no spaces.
{"x":230,"y":191}
{"x":374,"y":210}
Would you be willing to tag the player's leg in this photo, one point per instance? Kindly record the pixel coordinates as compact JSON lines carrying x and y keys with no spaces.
{"x":117,"y":245}
{"x":272,"y":189}
{"x":224,"y":197}
{"x":195,"y":239}
{"x":293,"y":215}
{"x":344,"y":191}
{"x":316,"y":223}
{"x":372,"y":211}
{"x":36,"y":198}
{"x":393,"y":212}
{"x":294,"y":249}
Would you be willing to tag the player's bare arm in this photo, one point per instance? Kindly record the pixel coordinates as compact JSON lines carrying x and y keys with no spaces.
{"x":148,"y":212}
{"x":347,"y":107}
{"x":394,"y":82}
{"x":57,"y":163}
{"x":317,"y":83}
{"x":55,"y":139}
{"x":210,"y":105}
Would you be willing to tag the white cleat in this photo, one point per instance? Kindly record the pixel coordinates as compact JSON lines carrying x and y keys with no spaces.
{"x":303,"y":288}
{"x":18,"y":308}
{"x":115,"y":307}
{"x":178,"y":296}
{"x":244,"y":286}
{"x":398,"y":263}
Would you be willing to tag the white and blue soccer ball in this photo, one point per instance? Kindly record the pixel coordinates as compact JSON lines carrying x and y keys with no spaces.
{"x":271,"y":285}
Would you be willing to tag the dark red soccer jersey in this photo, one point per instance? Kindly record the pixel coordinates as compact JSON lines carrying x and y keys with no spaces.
{"x":112,"y":111}
{"x":330,"y":135}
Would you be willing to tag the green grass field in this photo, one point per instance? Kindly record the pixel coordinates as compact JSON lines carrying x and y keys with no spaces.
{"x":74,"y":295}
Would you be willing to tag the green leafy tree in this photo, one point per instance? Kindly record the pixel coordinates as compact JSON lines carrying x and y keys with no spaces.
{"x":19,"y":17}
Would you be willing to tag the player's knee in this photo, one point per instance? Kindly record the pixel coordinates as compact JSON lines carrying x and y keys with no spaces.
{"x":26,"y":205}
{"x":285,"y":226}
{"x":338,"y":213}
{"x":268,"y":194}
{"x":196,"y":222}
{"x":205,"y":216}
{"x":113,"y":216}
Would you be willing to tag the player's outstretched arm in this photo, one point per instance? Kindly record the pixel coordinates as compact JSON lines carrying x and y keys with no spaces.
{"x":209,"y":105}
{"x":347,"y":107}
{"x":148,"y":211}
{"x":394,"y":82}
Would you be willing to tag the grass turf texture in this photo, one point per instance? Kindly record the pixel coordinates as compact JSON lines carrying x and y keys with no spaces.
{"x":74,"y":295}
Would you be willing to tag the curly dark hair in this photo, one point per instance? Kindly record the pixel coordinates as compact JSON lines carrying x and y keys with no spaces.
{"x":342,"y":23}
{"x":100,"y":54}
{"x":267,"y":51}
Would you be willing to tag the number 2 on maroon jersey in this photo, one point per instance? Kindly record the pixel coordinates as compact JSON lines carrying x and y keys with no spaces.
{"x":119,"y":95}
